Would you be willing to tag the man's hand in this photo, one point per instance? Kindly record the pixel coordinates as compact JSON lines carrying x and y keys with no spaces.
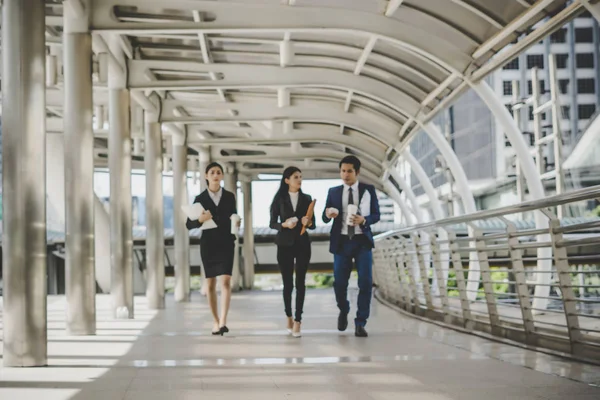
{"x":331,"y":213}
{"x":206,"y":215}
{"x":357,"y":219}
{"x":306,"y":221}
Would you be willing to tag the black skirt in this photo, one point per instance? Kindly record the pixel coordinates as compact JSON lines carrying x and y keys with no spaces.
{"x":217,"y":258}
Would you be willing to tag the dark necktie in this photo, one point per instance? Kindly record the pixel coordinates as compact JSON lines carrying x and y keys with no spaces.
{"x":350,"y":201}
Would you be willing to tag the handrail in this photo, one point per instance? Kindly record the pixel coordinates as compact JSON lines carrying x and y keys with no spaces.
{"x":550,"y":201}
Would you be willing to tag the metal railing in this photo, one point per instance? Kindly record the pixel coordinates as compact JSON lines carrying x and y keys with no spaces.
{"x":423,"y":269}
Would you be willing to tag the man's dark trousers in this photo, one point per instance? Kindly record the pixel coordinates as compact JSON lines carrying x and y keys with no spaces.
{"x":359,"y":250}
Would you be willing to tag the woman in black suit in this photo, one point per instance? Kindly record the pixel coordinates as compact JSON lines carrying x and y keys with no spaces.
{"x":217,"y":245}
{"x":288,"y":215}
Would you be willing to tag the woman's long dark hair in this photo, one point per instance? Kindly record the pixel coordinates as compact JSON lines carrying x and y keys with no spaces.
{"x":208,"y":168}
{"x":284,"y":188}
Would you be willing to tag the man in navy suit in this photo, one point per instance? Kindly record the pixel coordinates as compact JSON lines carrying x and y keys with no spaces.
{"x":353,"y":241}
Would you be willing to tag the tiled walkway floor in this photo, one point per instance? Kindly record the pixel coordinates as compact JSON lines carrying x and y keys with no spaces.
{"x":171,"y":355}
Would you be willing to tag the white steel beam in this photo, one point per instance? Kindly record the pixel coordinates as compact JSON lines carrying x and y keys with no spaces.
{"x":392,"y":7}
{"x":513,"y":26}
{"x":534,"y":183}
{"x":594,"y":9}
{"x":365,"y":55}
{"x":466,"y":196}
{"x":486,"y":17}
{"x":534,"y":37}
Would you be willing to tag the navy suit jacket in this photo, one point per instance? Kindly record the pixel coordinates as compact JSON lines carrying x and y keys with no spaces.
{"x":334,"y":199}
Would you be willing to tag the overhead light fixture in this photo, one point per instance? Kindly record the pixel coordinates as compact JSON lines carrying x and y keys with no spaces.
{"x":269,"y":177}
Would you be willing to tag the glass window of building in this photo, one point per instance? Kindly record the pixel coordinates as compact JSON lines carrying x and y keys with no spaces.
{"x":535,"y":60}
{"x":586,"y":86}
{"x":530,"y":87}
{"x":585,"y":111}
{"x":561,"y":61}
{"x":512,"y":64}
{"x":563,"y":86}
{"x":560,"y":36}
{"x":584,"y":35}
{"x":507,"y":88}
{"x":509,"y":108}
{"x":565,"y":112}
{"x":584,"y":60}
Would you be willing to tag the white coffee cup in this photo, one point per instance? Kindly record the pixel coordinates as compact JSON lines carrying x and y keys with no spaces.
{"x":352,"y":210}
{"x":235,"y":219}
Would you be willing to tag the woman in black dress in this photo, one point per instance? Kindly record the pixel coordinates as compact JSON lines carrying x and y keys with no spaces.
{"x":288,"y":215}
{"x":217,"y":245}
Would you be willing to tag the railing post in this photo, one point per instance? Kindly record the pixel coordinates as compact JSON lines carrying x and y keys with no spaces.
{"x":408,"y":268}
{"x":461,"y":284}
{"x":391,"y":272}
{"x":561,"y":260}
{"x":486,"y":277}
{"x":437,"y":269}
{"x":419,"y":248}
{"x":516,"y":260}
{"x":404,"y":287}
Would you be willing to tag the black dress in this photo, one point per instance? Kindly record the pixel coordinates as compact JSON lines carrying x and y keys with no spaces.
{"x":217,"y":244}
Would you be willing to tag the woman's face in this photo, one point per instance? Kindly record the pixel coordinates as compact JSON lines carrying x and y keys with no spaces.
{"x":294,"y":181}
{"x":214,"y":175}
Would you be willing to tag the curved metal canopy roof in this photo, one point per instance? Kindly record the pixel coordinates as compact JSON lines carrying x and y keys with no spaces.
{"x":266,"y":83}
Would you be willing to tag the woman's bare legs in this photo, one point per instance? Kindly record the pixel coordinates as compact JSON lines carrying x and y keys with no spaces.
{"x":212,"y":301}
{"x":225,"y":298}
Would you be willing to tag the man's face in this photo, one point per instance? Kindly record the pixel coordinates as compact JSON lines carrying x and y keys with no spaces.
{"x":348,"y":174}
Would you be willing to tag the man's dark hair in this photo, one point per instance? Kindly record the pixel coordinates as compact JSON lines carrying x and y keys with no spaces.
{"x":351,"y":160}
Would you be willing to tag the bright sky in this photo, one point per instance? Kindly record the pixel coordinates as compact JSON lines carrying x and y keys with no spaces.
{"x":262,"y":192}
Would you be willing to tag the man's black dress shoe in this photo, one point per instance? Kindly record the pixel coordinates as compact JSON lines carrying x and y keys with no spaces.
{"x":360,"y":332}
{"x":342,"y":321}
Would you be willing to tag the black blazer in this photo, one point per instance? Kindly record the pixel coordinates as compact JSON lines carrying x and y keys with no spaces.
{"x":281,"y":210}
{"x":221,"y":215}
{"x":334,"y":199}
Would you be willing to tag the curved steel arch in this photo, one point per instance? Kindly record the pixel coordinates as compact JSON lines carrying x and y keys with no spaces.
{"x":243,"y":76}
{"x":324,"y":55}
{"x":317,"y":134}
{"x":321,"y":166}
{"x":373,"y":125}
{"x":249,"y":17}
{"x":284,"y":154}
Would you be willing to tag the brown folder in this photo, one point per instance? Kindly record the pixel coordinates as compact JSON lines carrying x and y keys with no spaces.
{"x":309,"y":215}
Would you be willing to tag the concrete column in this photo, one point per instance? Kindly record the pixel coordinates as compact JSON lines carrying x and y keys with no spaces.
{"x":182,"y":238}
{"x":155,"y":241}
{"x":231,"y":185}
{"x":248,"y":250}
{"x":121,"y":242}
{"x":203,"y":161}
{"x":24,"y":183}
{"x":79,"y":174}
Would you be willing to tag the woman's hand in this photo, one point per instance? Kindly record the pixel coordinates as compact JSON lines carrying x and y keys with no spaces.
{"x":306,"y":221}
{"x":290,"y":223}
{"x":206,"y":215}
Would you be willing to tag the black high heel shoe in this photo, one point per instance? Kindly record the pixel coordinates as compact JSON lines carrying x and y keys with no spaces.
{"x":224,"y":329}
{"x":219,"y":332}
